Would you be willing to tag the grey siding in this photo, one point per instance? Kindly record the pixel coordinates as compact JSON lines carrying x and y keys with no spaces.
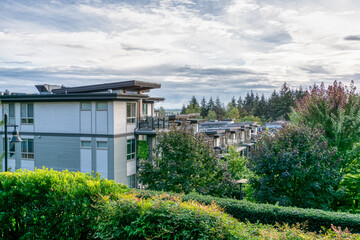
{"x":58,"y":153}
{"x":110,"y":158}
{"x":120,"y":162}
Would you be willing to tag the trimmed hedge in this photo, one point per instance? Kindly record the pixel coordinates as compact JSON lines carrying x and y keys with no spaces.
{"x":45,"y":204}
{"x":270,"y":214}
{"x":156,"y":218}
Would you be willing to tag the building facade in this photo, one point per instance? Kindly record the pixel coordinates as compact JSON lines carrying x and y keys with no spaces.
{"x":87,"y":129}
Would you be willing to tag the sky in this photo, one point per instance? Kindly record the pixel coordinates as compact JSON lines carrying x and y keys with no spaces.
{"x":205,"y":48}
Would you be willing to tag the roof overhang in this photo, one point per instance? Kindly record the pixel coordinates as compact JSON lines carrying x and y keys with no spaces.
{"x":71,"y":97}
{"x":132,"y":85}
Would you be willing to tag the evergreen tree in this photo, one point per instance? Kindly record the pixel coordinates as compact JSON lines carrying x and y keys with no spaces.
{"x":274,"y":103}
{"x":210,"y":105}
{"x":233,"y":102}
{"x":203,"y":108}
{"x":183,"y":110}
{"x":285,"y":103}
{"x":219,"y":110}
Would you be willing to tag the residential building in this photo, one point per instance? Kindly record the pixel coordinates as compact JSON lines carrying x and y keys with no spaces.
{"x":87,"y":128}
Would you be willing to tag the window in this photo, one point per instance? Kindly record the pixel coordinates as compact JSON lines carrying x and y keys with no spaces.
{"x":131,"y":181}
{"x":85,"y":106}
{"x":11,"y":148}
{"x":130,"y":112}
{"x":27,"y":148}
{"x":130,"y":149}
{"x":85,"y":144}
{"x":27,"y":113}
{"x":145,"y":109}
{"x":101,"y":144}
{"x":101,"y":106}
{"x":9,"y":109}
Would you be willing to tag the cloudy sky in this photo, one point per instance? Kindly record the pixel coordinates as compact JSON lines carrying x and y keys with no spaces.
{"x":192,"y":47}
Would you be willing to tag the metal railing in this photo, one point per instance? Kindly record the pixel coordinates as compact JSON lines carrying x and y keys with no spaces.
{"x":153,"y":123}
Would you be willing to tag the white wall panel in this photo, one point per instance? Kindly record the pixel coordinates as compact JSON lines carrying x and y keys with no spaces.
{"x":56,"y":117}
{"x":11,"y":165}
{"x":102,"y":162}
{"x":119,"y":117}
{"x":130,"y":128}
{"x":27,"y":164}
{"x":85,"y":160}
{"x":85,"y":121}
{"x":101,"y":122}
{"x":131,"y":167}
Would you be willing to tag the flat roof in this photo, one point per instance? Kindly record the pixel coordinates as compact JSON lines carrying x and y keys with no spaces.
{"x":70,"y":97}
{"x":132,"y":85}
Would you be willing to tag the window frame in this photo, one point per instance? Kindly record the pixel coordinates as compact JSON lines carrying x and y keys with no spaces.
{"x":26,"y":119}
{"x":85,"y":147}
{"x":99,"y":109}
{"x":131,"y":155}
{"x":145,"y":108}
{"x":11,"y":154}
{"x":26,"y":154}
{"x":133,"y":113}
{"x":85,"y":109}
{"x":104,"y":148}
{"x":131,"y":181}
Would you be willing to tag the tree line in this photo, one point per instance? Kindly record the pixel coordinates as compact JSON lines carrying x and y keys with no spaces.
{"x":252,"y":108}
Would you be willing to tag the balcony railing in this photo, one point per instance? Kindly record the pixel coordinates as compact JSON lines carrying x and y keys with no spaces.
{"x":153,"y":123}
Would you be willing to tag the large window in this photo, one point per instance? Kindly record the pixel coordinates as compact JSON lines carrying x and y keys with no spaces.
{"x":27,"y":149}
{"x":131,"y":181}
{"x":131,"y":150}
{"x":11,"y":148}
{"x":27,"y":113}
{"x":130,"y":112}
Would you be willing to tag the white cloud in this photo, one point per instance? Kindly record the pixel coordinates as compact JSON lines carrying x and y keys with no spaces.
{"x":185,"y":44}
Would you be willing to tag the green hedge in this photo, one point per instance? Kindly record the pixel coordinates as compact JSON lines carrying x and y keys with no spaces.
{"x":43,"y":203}
{"x":271,"y":214}
{"x":46,"y":204}
{"x":155,"y":218}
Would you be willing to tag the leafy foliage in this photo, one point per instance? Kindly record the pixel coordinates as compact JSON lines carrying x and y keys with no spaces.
{"x":184,"y":162}
{"x":156,"y":217}
{"x":337,"y":111}
{"x":243,"y":210}
{"x":43,"y":203}
{"x":142,"y":149}
{"x":295,"y":167}
{"x":237,"y":165}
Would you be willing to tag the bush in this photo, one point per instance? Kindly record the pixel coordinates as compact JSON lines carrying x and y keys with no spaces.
{"x":140,"y":218}
{"x":42,"y":203}
{"x":295,"y":167}
{"x":270,"y":214}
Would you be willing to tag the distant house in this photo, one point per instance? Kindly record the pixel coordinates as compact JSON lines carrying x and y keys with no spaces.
{"x":275,"y":125}
{"x":87,"y":128}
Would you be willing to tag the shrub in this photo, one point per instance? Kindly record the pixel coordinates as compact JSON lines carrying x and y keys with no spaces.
{"x":271,"y":214}
{"x":42,"y":203}
{"x":140,"y":218}
{"x":295,"y":167}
